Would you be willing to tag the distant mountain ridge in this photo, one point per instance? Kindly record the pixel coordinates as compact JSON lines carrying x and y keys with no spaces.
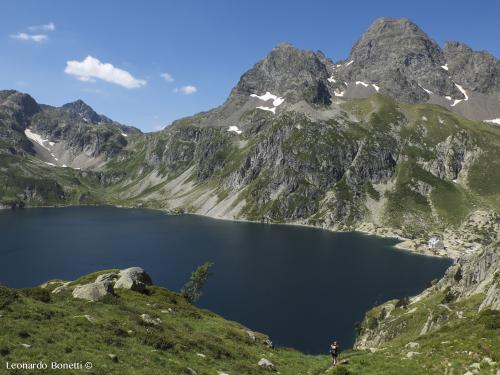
{"x":384,"y":142}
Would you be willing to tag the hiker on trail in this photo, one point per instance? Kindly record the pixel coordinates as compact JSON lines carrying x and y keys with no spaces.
{"x":334,"y":351}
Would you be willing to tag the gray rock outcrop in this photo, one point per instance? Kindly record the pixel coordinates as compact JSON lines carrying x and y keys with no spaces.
{"x":134,"y":278}
{"x":266,"y":364}
{"x":93,"y":292}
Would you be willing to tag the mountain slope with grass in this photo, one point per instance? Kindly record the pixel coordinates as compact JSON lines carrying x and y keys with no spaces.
{"x":120,"y":322}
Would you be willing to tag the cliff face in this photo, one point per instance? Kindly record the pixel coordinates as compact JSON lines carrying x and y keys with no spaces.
{"x":469,"y":289}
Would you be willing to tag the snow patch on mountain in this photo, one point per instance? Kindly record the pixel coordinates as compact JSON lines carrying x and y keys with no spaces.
{"x":234,"y":129}
{"x":270,"y":109}
{"x":427,"y":91}
{"x":37,"y":138}
{"x":362,"y":83}
{"x":493,"y":121}
{"x":462,"y":90}
{"x":267,"y":96}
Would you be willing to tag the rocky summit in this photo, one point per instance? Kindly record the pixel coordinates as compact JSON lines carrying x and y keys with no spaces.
{"x":400,"y":139}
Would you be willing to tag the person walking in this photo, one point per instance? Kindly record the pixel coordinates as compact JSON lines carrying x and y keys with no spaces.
{"x":334,"y":351}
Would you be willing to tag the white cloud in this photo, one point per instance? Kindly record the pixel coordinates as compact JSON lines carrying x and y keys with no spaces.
{"x":51,"y":26}
{"x":91,"y":68}
{"x":167,"y":77}
{"x":32,"y":37}
{"x":186,"y":90}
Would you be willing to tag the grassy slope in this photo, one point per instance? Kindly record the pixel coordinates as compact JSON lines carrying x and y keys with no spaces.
{"x":55,"y":332}
{"x":54,"y":326}
{"x":440,"y":351}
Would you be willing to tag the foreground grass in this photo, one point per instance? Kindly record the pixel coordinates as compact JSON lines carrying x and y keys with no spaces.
{"x":38,"y":325}
{"x":58,"y":327}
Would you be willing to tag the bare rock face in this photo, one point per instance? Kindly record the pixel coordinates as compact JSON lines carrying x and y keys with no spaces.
{"x":290,"y":73}
{"x":451,"y":156}
{"x":476,"y":273}
{"x":93,"y":292}
{"x":400,"y":58}
{"x":478,"y":71}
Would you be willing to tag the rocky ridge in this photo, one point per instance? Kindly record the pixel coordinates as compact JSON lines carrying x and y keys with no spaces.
{"x":470,"y":286}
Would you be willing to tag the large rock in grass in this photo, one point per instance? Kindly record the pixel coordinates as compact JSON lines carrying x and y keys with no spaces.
{"x":134,"y":278}
{"x":266,"y":364}
{"x":93,"y":292}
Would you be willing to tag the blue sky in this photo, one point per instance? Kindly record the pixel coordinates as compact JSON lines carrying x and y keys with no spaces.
{"x":203,"y":44}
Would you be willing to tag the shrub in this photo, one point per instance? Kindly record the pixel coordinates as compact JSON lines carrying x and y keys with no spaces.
{"x":24,"y":334}
{"x":340,"y":370}
{"x":372,"y":322}
{"x":449,"y":296}
{"x":157,"y":341}
{"x":7,"y":296}
{"x":38,"y":294}
{"x":403,"y":302}
{"x":4,"y":350}
{"x":490,"y":319}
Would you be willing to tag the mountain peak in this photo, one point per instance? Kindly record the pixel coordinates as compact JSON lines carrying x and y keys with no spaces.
{"x":386,"y":24}
{"x":78,"y":104}
{"x":289,"y":72}
{"x":80,"y":109}
{"x":397,"y":55}
{"x":396,"y":35}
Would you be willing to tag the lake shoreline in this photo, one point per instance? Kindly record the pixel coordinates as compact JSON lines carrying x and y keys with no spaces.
{"x":405,"y":244}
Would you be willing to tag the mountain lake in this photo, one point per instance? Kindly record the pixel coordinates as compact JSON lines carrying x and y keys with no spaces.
{"x":302,"y":286}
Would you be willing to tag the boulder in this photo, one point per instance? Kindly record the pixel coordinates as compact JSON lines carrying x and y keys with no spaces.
{"x":146,"y":318}
{"x":268,"y":343}
{"x":113,"y":357}
{"x":61,"y":288}
{"x":134,"y":278}
{"x":107,"y":277}
{"x":412,"y":345}
{"x":93,"y":292}
{"x":266,"y":364}
{"x":190,"y":371}
{"x":251,"y":335}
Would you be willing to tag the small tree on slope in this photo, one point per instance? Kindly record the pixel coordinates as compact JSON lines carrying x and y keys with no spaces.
{"x":192,"y":289}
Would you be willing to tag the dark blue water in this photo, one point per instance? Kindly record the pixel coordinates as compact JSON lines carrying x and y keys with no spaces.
{"x":301,"y":286}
